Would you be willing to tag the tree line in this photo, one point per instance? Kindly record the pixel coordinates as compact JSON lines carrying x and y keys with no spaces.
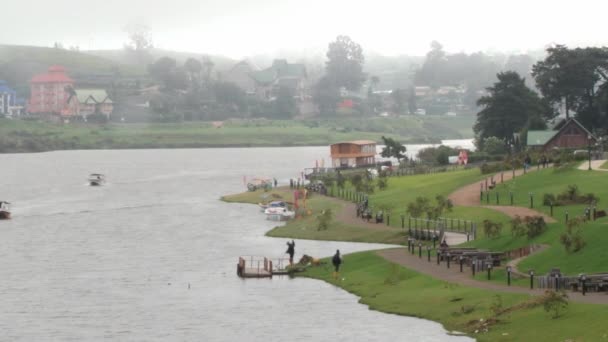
{"x":569,"y":81}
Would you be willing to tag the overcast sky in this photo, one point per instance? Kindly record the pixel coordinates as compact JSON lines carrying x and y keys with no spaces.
{"x":238,"y":28}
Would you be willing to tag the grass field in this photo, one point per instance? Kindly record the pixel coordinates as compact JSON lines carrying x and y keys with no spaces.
{"x":26,"y":136}
{"x":389,"y":288}
{"x":592,"y":258}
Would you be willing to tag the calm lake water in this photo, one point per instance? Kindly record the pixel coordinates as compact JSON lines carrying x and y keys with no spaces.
{"x":115,"y":262}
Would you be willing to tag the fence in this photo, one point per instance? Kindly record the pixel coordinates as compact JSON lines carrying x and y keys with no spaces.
{"x":453,"y":225}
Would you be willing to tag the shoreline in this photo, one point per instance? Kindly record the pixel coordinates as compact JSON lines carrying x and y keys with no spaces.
{"x":392,"y":288}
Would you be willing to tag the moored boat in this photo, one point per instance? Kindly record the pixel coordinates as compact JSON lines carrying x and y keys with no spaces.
{"x":5,"y":210}
{"x":279,"y":214}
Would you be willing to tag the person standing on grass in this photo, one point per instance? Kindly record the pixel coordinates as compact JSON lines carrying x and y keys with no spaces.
{"x":291,"y":250}
{"x":336,"y":261}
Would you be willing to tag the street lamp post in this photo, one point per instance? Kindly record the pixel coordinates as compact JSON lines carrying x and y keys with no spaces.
{"x":589,"y":149}
{"x":583,"y":285}
{"x":509,"y":275}
{"x":531,"y":279}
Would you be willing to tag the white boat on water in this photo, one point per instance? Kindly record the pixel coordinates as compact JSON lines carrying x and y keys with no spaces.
{"x":274,"y":204}
{"x":97,"y":179}
{"x":279,"y":214}
{"x":5,"y":210}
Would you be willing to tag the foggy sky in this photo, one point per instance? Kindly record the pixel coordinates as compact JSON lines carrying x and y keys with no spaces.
{"x":237,"y":28}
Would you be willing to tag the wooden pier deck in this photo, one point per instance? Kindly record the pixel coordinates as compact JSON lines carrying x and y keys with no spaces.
{"x":260,"y":267}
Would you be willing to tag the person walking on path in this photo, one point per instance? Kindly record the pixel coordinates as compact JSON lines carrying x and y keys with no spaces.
{"x":291,"y":250}
{"x":336,"y":261}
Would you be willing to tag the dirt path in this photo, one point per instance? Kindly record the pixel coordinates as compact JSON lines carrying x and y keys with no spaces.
{"x":401,"y":257}
{"x":468,"y":196}
{"x":595,"y":165}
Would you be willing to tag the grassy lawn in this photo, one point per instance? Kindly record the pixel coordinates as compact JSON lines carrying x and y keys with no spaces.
{"x":604,"y":166}
{"x":389,"y":288}
{"x":402,"y":190}
{"x":305,"y":226}
{"x":592,"y":258}
{"x":27,"y":136}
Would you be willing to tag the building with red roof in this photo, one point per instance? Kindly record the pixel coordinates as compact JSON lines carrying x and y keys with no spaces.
{"x":50,"y":92}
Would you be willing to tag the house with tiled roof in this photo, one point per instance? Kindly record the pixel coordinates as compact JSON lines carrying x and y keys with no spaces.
{"x":281,"y":74}
{"x":94,"y":101}
{"x":53,"y":93}
{"x":240,"y":74}
{"x":9,"y":104}
{"x":263,"y":84}
{"x":568,"y":133}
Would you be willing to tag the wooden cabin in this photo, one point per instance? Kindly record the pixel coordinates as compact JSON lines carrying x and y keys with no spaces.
{"x":567,"y":134}
{"x":353,"y":153}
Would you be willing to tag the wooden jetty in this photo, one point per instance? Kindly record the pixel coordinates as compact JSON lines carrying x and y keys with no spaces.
{"x":260,"y":267}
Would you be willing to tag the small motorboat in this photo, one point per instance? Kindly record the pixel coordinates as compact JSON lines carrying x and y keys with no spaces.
{"x":5,"y":210}
{"x":274,"y":204}
{"x":96,"y":179}
{"x":279,"y":214}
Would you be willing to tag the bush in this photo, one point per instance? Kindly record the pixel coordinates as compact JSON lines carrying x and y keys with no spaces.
{"x":492,"y":229}
{"x":572,"y":238}
{"x":494,"y":146}
{"x":572,"y":196}
{"x":535,"y":226}
{"x":549,"y":199}
{"x":517,"y":226}
{"x":491,"y":167}
{"x":555,"y":302}
{"x":382,"y":183}
{"x":324,"y":219}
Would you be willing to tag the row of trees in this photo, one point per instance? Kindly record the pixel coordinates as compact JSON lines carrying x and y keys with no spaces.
{"x":190,"y":92}
{"x":570,"y":79}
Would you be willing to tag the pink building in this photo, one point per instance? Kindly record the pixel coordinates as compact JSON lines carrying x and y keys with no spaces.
{"x":50,"y":92}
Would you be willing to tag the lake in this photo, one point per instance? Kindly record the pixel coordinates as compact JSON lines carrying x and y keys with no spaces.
{"x":151,"y":256}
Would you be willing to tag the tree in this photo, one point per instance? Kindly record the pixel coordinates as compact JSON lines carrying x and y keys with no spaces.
{"x":573,"y":77}
{"x":284,"y":103}
{"x":508,"y":108}
{"x":344,"y":67}
{"x":194,"y":68}
{"x":399,"y":98}
{"x":140,"y":38}
{"x":166,"y":71}
{"x":326,"y":96}
{"x":161,"y":69}
{"x":411,"y":101}
{"x":207,"y":68}
{"x":393,"y":149}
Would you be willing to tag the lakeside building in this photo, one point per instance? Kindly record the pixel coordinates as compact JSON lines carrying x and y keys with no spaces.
{"x":263,"y":84}
{"x":9,"y":104}
{"x":353,"y":153}
{"x":53,"y":94}
{"x":93,"y":101}
{"x":49,"y":92}
{"x":568,"y":133}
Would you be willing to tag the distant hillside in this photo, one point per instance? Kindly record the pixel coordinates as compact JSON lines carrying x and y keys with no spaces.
{"x":126,"y":57}
{"x":19,"y":63}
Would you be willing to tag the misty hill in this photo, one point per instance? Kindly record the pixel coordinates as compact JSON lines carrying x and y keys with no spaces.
{"x":127,"y":57}
{"x":19,"y":63}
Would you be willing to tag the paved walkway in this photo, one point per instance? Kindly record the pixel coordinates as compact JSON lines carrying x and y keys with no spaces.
{"x":595,"y":165}
{"x":348,"y":215}
{"x":468,"y":196}
{"x":401,"y":257}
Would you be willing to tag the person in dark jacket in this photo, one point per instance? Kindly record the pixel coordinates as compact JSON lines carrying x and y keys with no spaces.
{"x":336,"y":261}
{"x":291,"y":250}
